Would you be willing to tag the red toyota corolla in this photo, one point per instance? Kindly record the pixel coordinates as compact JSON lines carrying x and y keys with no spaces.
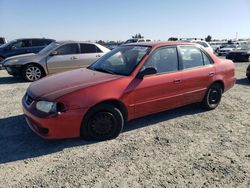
{"x":131,"y":81}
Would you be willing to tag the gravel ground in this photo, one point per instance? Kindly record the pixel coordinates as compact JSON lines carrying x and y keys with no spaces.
{"x":186,"y":147}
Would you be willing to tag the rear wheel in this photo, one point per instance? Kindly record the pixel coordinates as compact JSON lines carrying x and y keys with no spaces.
{"x":213,"y":97}
{"x":104,"y":122}
{"x":32,"y":73}
{"x":1,"y":59}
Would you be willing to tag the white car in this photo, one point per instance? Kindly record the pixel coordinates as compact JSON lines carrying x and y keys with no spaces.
{"x":217,"y":45}
{"x":135,"y":40}
{"x":205,"y":44}
{"x":225,"y":50}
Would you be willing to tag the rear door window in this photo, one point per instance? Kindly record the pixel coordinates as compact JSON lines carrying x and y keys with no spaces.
{"x":38,"y":42}
{"x":89,"y":48}
{"x":206,"y":59}
{"x":191,"y":57}
{"x":68,"y":49}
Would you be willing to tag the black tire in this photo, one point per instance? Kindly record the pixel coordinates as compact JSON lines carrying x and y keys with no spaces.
{"x":1,"y":58}
{"x":213,"y":97}
{"x":103,"y":122}
{"x":32,"y":72}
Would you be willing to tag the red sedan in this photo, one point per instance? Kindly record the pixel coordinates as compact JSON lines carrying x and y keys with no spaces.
{"x":131,"y":81}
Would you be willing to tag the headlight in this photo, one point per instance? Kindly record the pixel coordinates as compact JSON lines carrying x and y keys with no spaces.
{"x":50,"y":107}
{"x":47,"y":107}
{"x":11,"y":61}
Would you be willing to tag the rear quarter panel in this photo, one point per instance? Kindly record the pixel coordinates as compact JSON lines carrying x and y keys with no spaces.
{"x":225,"y":72}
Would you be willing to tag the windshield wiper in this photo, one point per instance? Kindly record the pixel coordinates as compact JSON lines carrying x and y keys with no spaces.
{"x":102,"y":70}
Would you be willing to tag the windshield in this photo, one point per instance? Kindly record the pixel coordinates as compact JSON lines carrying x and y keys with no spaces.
{"x":48,"y":48}
{"x":121,"y":60}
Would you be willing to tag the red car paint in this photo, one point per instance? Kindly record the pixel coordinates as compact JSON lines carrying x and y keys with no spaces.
{"x":79,"y":90}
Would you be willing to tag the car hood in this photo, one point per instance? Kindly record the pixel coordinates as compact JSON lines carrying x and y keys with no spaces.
{"x":57,"y":85}
{"x":22,"y":59}
{"x":226,"y":48}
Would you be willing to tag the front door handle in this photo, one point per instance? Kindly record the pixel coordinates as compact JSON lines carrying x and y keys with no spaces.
{"x":98,"y":55}
{"x":176,"y":81}
{"x":73,"y":58}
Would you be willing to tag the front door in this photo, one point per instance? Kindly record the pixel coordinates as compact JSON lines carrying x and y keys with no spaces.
{"x":65,"y":59}
{"x":161,"y":91}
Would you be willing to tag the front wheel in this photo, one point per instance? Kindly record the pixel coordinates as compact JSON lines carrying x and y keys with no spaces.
{"x":104,"y":122}
{"x":213,"y":97}
{"x":32,"y":73}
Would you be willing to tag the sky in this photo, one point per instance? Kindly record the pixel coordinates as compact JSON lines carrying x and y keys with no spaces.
{"x":120,"y":19}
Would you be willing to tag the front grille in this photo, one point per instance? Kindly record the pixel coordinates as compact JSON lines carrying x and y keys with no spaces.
{"x":28,"y":99}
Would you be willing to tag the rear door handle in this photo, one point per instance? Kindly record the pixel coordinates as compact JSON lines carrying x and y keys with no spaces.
{"x":73,"y":58}
{"x":211,"y":74}
{"x":98,"y":55}
{"x":176,"y":81}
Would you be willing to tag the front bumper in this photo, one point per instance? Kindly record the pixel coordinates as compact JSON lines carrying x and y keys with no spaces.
{"x":238,"y":57}
{"x":13,"y":70}
{"x":223,"y":53}
{"x":248,"y":74}
{"x":65,"y":125}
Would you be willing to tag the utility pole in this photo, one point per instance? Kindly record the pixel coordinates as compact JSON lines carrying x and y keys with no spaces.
{"x":236,"y":38}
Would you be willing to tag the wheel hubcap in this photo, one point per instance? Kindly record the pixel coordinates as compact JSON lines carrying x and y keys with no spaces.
{"x":214,"y":96}
{"x":33,"y":73}
{"x":102,"y":124}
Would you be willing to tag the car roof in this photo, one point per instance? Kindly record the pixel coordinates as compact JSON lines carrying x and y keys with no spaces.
{"x":35,"y":38}
{"x":72,"y":41}
{"x":159,"y":44}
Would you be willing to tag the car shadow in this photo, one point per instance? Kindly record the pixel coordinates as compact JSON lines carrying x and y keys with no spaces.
{"x":18,"y":142}
{"x":11,"y":80}
{"x":243,"y":81}
{"x":163,"y":116}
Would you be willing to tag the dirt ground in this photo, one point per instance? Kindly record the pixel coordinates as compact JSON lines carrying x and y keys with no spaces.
{"x":185,"y":147}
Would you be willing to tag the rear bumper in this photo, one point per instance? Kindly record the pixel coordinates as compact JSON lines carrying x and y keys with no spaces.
{"x":222,"y":53}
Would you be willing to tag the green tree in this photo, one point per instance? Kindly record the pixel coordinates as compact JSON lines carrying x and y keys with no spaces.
{"x":172,"y":39}
{"x":139,"y":36}
{"x":208,"y":38}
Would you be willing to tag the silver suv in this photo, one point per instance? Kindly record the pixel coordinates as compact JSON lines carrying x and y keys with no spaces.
{"x":56,"y":57}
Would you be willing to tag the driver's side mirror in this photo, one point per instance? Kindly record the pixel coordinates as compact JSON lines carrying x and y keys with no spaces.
{"x":147,"y":71}
{"x":54,"y":53}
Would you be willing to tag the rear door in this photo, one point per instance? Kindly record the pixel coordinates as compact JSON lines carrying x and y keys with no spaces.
{"x":65,"y":59}
{"x":89,"y":54}
{"x":161,"y":91}
{"x":37,"y":45}
{"x":198,"y":73}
